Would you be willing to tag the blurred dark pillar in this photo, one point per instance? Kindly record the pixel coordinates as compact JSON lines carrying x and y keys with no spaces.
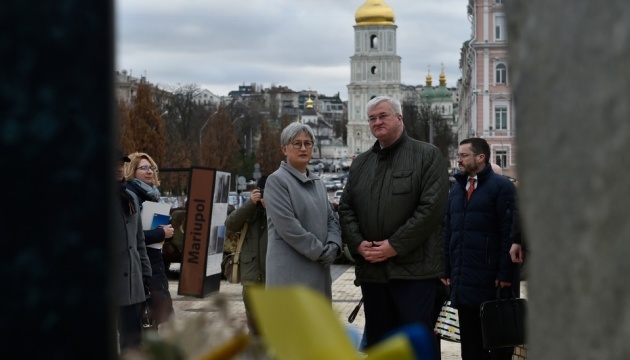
{"x":569,"y":73}
{"x":56,"y":175}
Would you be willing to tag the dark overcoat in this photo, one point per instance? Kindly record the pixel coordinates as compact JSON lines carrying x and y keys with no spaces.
{"x":131,"y":262}
{"x":477,"y":237}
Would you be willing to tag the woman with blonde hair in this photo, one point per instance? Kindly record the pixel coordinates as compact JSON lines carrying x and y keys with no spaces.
{"x":141,"y":174}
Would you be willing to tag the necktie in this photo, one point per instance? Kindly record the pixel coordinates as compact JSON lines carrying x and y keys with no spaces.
{"x":471,"y":188}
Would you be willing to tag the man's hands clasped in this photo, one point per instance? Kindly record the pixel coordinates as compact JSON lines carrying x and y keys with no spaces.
{"x":376,"y":251}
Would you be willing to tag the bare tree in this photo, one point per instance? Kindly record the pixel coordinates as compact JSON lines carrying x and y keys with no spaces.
{"x":126,"y":141}
{"x":419,"y":119}
{"x":269,"y":154}
{"x":273,"y":105}
{"x":142,"y":126}
{"x":341,"y":127}
{"x":219,"y":146}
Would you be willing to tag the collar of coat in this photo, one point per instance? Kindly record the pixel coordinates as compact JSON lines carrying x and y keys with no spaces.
{"x":310,"y":176}
{"x":376,"y":148}
{"x":481,"y":176}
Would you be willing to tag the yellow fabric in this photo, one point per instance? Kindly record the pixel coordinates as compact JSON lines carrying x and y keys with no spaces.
{"x":298,"y":323}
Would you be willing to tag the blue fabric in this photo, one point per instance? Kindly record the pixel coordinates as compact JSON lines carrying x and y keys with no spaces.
{"x":477,"y":237}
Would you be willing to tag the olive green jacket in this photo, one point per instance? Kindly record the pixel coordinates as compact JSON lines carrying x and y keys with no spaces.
{"x":398,"y":193}
{"x":254,"y":250}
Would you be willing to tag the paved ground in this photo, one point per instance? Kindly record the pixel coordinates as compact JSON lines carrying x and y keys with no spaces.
{"x":345,"y":297}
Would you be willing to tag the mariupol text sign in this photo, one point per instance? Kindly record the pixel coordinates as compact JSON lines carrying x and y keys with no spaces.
{"x":204,"y":234}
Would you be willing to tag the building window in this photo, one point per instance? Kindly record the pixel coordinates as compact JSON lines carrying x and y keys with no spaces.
{"x":501,"y":158}
{"x":501,"y":74}
{"x":500,"y":118}
{"x":374,"y":70}
{"x":498,"y":1}
{"x":373,"y":42}
{"x":499,"y":28}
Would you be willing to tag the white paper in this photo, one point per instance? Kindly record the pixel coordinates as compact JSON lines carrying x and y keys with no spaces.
{"x":149,"y":208}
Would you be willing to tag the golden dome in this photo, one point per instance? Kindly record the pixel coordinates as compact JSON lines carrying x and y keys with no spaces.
{"x":442,"y":76}
{"x":429,"y":79}
{"x":309,"y":103}
{"x":374,"y":12}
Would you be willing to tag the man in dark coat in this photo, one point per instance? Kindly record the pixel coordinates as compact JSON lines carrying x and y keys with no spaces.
{"x":477,"y":243}
{"x":132,"y":270}
{"x":391,"y":214}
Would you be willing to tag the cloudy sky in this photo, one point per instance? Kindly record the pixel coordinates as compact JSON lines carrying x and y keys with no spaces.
{"x":221,"y":44}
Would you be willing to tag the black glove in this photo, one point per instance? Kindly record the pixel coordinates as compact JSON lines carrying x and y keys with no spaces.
{"x":146,"y":282}
{"x":330,"y":253}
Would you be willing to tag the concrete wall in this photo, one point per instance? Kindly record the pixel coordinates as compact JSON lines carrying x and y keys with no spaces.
{"x":569,"y":62}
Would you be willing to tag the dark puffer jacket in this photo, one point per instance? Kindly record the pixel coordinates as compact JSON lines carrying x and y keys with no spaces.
{"x":477,"y":237}
{"x":397,"y":193}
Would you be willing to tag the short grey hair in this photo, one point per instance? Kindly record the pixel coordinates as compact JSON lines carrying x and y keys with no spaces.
{"x":393,"y":103}
{"x":294,"y":129}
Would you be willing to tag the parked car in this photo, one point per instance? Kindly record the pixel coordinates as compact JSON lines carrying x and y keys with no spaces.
{"x":233,"y":199}
{"x":330,"y":185}
{"x":336,"y":198}
{"x":244,"y":196}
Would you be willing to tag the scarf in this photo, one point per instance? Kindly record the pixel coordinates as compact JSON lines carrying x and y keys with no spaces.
{"x":148,"y":192}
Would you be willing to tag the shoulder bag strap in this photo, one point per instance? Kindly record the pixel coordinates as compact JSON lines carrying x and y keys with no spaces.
{"x":237,"y":254}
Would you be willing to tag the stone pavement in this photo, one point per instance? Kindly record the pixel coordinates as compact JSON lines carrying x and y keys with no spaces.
{"x":345,"y":298}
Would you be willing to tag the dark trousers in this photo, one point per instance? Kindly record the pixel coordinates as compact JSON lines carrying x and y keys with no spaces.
{"x":129,"y":326}
{"x":472,"y":340}
{"x":397,"y":303}
{"x":160,"y":301}
{"x":251,"y":323}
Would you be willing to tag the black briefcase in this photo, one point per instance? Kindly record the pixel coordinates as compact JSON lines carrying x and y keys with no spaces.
{"x":503,"y":321}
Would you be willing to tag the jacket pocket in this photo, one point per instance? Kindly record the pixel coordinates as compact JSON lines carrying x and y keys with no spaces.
{"x":401,"y":182}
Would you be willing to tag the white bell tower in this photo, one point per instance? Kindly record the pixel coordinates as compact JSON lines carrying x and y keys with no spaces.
{"x":374,"y":69}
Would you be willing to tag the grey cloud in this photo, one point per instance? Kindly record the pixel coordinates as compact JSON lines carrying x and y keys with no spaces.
{"x":221,"y":44}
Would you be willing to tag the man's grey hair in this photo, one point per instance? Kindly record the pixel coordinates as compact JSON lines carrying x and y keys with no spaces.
{"x":393,"y":103}
{"x":294,"y":129}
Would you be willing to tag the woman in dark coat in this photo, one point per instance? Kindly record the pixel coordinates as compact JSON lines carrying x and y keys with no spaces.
{"x":142,"y":179}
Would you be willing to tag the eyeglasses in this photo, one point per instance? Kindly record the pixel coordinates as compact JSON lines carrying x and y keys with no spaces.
{"x":381,"y":116}
{"x":465,"y":155}
{"x":297,"y":145}
{"x":147,"y":168}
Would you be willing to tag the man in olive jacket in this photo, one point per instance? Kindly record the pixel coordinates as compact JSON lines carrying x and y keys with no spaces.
{"x":391,"y":214}
{"x":253,"y":256}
